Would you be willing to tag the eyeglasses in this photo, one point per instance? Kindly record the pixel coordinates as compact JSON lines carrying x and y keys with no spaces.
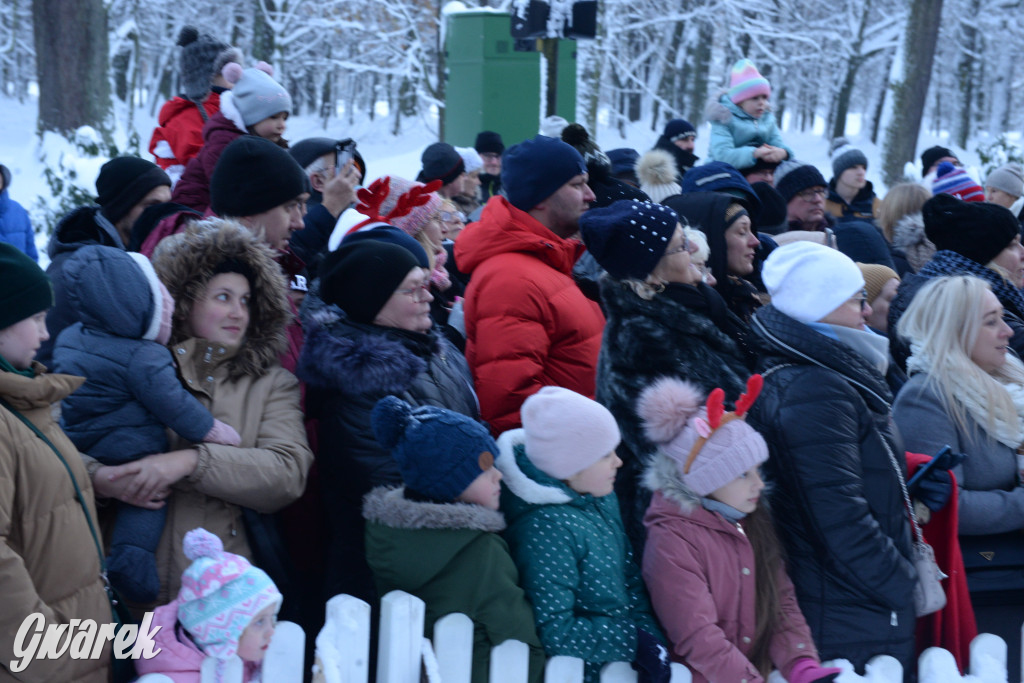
{"x":862,"y":299}
{"x":679,"y":250}
{"x":453,"y":217}
{"x":419,"y":293}
{"x":812,"y":194}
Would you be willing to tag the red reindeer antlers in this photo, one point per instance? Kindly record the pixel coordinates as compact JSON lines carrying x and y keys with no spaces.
{"x":715,"y":406}
{"x":371,"y":198}
{"x":743,"y":403}
{"x":417,"y":196}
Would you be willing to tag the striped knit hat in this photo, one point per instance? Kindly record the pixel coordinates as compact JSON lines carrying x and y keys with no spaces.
{"x":952,"y":180}
{"x":220,"y":594}
{"x":745,"y":82}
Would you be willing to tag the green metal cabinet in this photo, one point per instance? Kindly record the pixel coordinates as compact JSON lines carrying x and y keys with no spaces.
{"x":491,"y":86}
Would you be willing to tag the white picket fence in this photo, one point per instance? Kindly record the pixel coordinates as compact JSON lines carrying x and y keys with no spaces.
{"x":403,"y":654}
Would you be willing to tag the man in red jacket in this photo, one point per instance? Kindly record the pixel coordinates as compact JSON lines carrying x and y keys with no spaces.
{"x":527,"y":323}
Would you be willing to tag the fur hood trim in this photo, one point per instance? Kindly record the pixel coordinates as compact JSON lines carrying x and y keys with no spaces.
{"x":662,"y":474}
{"x":388,"y":506}
{"x":909,"y":237}
{"x":516,"y":480}
{"x":341,"y":357}
{"x":185,"y":263}
{"x":656,"y":167}
{"x":230,"y":111}
{"x":716,"y":110}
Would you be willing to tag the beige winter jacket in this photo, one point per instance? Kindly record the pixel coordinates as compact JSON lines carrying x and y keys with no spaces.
{"x":48,"y":559}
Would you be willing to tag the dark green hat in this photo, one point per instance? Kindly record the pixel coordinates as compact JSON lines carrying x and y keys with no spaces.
{"x":24,"y":288}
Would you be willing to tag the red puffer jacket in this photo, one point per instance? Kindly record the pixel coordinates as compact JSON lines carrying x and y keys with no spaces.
{"x":527,"y":323}
{"x":181,"y":127}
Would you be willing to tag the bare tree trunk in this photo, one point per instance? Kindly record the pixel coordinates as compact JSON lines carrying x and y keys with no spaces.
{"x":71,"y":63}
{"x":911,"y":92}
{"x":965,"y":74}
{"x":701,"y":68}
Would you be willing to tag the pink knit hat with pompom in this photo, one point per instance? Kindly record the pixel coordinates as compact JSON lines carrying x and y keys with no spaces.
{"x":711,"y":448}
{"x":220,"y":594}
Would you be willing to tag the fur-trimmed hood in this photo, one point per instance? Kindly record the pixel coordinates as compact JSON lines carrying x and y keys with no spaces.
{"x":662,"y":474}
{"x":720,"y":108}
{"x":522,"y":478}
{"x":388,"y":506}
{"x":185,"y":263}
{"x":908,"y":236}
{"x":356,"y":359}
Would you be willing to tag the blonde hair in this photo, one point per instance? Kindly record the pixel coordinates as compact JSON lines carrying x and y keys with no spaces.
{"x":942,"y":323}
{"x":902,"y":200}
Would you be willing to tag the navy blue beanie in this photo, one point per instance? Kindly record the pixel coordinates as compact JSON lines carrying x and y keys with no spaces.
{"x":439,"y":452}
{"x":623,"y":161}
{"x":389,"y":233}
{"x":803,"y":177}
{"x":535,"y":169}
{"x":718,"y":176}
{"x":679,"y":129}
{"x":628,"y":238}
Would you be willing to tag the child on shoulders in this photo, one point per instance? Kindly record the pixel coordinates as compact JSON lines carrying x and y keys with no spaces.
{"x":437,"y":537}
{"x":567,"y":537}
{"x":712,"y":562}
{"x":743,"y":129}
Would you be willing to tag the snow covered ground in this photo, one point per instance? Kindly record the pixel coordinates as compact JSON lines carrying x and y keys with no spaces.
{"x":21,"y":150}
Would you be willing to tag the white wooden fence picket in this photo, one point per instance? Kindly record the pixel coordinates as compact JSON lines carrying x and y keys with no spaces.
{"x":342,"y":654}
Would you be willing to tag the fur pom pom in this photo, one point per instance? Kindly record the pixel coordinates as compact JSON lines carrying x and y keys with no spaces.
{"x":576,"y":135}
{"x":666,"y":406}
{"x":836,"y":144}
{"x":389,"y":419}
{"x":188,"y":35}
{"x":656,"y":167}
{"x":265,"y":68}
{"x":201,"y":543}
{"x":232,"y":72}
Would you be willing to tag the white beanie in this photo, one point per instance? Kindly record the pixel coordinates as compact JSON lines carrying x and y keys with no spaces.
{"x":807,"y":281}
{"x":1009,"y":178}
{"x":471,"y":158}
{"x":565,"y":432}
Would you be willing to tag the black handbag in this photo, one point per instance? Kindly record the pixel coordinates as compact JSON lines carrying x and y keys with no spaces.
{"x":994,"y":563}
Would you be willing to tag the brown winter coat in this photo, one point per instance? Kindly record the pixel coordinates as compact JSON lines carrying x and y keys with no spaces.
{"x":48,"y":559}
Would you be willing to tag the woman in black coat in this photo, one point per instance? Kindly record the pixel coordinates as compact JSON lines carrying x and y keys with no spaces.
{"x":662,"y":321}
{"x":835,"y":457}
{"x":373,"y":337}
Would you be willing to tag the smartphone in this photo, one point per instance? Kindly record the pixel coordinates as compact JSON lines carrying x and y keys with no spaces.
{"x":944,"y":460}
{"x":344,"y":152}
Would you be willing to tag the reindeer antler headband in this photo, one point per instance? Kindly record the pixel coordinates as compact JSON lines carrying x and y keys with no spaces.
{"x":372,"y":198}
{"x":717,"y":418}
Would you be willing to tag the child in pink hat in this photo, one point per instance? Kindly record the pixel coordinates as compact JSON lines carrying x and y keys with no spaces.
{"x":712,"y":562}
{"x":743,"y":128}
{"x":226,"y":607}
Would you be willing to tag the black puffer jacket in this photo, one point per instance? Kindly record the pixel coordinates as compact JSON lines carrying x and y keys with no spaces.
{"x":347,"y":368}
{"x":838,"y":507}
{"x":671,"y":335}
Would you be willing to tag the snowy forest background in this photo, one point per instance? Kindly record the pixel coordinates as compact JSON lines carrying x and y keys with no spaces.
{"x":904,"y":69}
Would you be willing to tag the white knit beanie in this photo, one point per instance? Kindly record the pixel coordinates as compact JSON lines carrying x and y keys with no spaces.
{"x":807,"y":281}
{"x":565,"y":432}
{"x":1009,"y":178}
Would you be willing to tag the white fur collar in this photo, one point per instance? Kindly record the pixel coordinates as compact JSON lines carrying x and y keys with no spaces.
{"x":389,"y":506}
{"x":662,"y":474}
{"x":230,"y":111}
{"x":516,"y":480}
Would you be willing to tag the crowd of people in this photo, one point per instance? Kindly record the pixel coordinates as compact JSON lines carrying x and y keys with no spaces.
{"x":620,"y":406}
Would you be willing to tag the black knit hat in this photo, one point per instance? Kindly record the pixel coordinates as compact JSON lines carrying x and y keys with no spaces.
{"x":930,"y":156}
{"x":199,"y":52}
{"x":24,"y":288}
{"x":360,"y":277}
{"x":679,"y":129}
{"x":254,"y":175}
{"x":628,"y":238}
{"x":441,"y":162}
{"x":489,"y":141}
{"x":975,"y":230}
{"x":392,"y":235}
{"x":123,"y":182}
{"x":791,"y":182}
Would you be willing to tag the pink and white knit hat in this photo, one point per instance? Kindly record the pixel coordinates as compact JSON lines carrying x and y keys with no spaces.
{"x":220,"y":594}
{"x":711,"y":447}
{"x":745,"y":81}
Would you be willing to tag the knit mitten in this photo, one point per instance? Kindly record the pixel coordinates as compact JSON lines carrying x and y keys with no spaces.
{"x":807,"y":670}
{"x":223,"y":433}
{"x":651,"y":664}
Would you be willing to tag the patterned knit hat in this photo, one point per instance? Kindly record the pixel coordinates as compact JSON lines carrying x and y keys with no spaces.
{"x":952,"y":180}
{"x":745,"y":82}
{"x":220,"y":594}
{"x":711,"y":447}
{"x":679,"y":129}
{"x":565,"y":432}
{"x":256,"y":94}
{"x":402,"y":203}
{"x":628,"y":238}
{"x":844,"y":156}
{"x":439,"y":452}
